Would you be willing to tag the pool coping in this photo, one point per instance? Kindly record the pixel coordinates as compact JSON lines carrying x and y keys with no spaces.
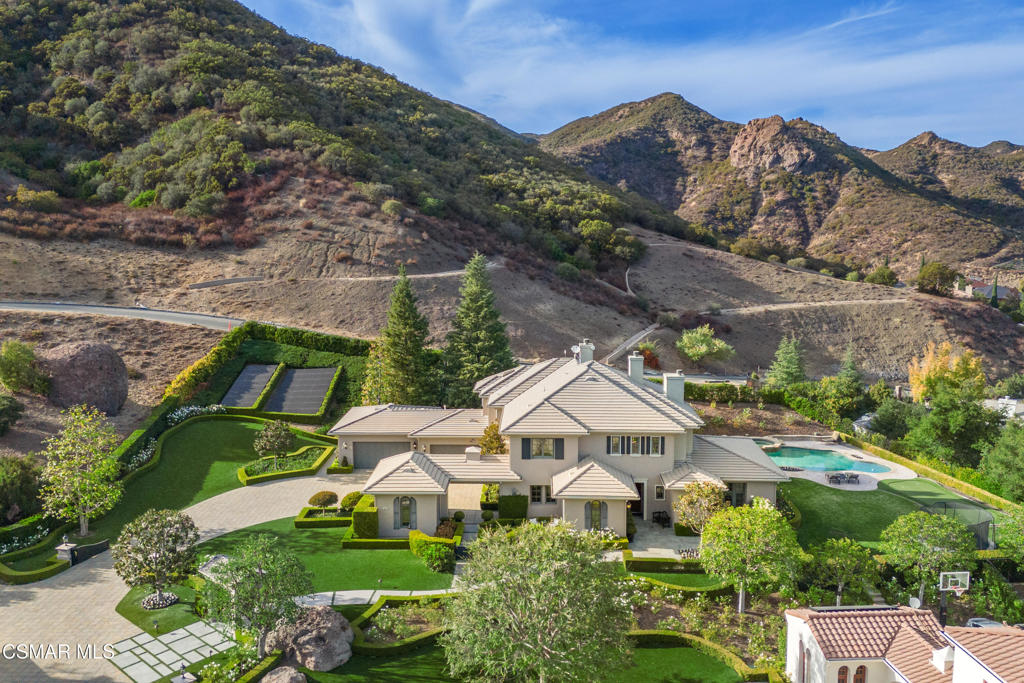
{"x":868,"y":480}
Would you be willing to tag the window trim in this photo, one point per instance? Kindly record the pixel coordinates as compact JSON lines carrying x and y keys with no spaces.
{"x":533,"y":448}
{"x":659,"y":492}
{"x":635,"y":445}
{"x":543,"y":494}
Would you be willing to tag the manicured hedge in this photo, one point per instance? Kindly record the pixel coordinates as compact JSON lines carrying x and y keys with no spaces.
{"x":489,"y":497}
{"x":364,"y":518}
{"x":305,"y":520}
{"x":309,"y":339}
{"x":14,"y":576}
{"x":418,"y":540}
{"x":660,"y":564}
{"x":747,"y":673}
{"x":359,"y":644}
{"x":153,"y":427}
{"x":683,"y":530}
{"x":513,"y":507}
{"x":248,"y":480}
{"x":797,"y":520}
{"x":353,"y":542}
{"x":946,"y":480}
{"x":188,"y":380}
{"x":60,"y":528}
{"x":336,"y":468}
{"x":272,"y":383}
{"x":255,"y":674}
{"x":302,"y":418}
{"x":722,"y":393}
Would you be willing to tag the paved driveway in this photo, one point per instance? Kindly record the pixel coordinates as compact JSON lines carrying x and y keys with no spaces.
{"x":76,"y":607}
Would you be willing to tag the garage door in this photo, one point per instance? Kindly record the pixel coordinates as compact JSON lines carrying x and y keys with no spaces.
{"x":449,"y":448}
{"x":369,"y":453}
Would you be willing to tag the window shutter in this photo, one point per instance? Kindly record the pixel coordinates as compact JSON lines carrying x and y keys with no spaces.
{"x":398,"y":513}
{"x":604,"y":515}
{"x":607,"y":444}
{"x":559,"y":449}
{"x":662,"y":451}
{"x":626,"y":443}
{"x":586,"y":515}
{"x":412,"y":513}
{"x":526,"y":449}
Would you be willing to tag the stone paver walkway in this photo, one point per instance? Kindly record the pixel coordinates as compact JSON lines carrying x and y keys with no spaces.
{"x":145,"y":658}
{"x":76,"y":607}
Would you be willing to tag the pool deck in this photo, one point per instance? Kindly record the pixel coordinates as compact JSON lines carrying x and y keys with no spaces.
{"x":868,"y":480}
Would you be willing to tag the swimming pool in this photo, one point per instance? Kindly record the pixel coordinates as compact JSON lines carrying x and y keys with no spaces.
{"x":821,"y":460}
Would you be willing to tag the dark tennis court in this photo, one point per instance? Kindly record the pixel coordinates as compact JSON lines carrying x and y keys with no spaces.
{"x":248,"y":386}
{"x":300,"y":390}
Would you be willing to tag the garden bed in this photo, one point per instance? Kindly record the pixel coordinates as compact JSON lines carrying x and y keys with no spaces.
{"x":398,"y":621}
{"x":304,"y":462}
{"x":323,"y":518}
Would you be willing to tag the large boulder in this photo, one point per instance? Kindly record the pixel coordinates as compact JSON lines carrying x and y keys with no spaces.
{"x":86,"y":372}
{"x":284,"y":674}
{"x":320,"y":640}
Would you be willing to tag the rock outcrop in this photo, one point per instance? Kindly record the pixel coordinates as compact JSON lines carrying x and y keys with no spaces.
{"x":320,"y":640}
{"x":284,"y":674}
{"x":86,"y":372}
{"x":771,"y":143}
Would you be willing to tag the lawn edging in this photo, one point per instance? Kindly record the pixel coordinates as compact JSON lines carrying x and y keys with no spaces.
{"x":248,"y":480}
{"x":17,"y":577}
{"x":963,"y":487}
{"x":359,"y":644}
{"x":745,"y":671}
{"x":353,"y":542}
{"x":304,"y":521}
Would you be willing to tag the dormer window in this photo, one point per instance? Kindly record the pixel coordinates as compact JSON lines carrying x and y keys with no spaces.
{"x":653,"y":446}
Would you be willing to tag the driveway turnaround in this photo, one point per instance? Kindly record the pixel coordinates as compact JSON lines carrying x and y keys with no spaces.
{"x":76,"y":608}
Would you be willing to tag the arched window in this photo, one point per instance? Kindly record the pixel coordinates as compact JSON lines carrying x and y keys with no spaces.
{"x":844,"y":674}
{"x":595,"y":514}
{"x":860,"y":675}
{"x":405,"y":512}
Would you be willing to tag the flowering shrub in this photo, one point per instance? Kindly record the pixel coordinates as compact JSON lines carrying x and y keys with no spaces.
{"x":25,"y":541}
{"x":144,"y":455}
{"x":183,"y":413}
{"x":241,"y":660}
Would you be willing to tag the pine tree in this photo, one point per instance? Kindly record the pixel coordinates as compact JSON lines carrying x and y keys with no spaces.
{"x":994,"y":299}
{"x":849,"y":372}
{"x":399,"y":369}
{"x":477,"y":345}
{"x":788,"y":366}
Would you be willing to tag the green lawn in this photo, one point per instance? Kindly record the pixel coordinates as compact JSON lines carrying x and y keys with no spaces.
{"x":830,"y":513}
{"x":679,"y":579}
{"x":333,"y":567}
{"x":650,"y":665}
{"x":198,"y":462}
{"x":169,"y":618}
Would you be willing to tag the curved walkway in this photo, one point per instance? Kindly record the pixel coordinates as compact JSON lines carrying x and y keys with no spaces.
{"x":76,"y":607}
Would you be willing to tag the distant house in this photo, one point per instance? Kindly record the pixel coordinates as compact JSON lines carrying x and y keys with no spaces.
{"x":1009,"y":407}
{"x":881,"y":644}
{"x":977,"y":289}
{"x":587,"y":443}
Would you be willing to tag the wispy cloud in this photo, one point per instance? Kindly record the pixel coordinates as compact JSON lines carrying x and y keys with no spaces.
{"x":876,"y":75}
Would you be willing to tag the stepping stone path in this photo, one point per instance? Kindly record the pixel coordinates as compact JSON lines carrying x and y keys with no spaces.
{"x":145,"y":658}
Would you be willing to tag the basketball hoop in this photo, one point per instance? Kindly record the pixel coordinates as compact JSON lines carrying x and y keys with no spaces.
{"x":959,"y":590}
{"x":954,"y":582}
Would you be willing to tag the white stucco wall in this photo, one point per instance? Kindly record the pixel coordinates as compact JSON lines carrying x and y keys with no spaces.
{"x":761,"y":489}
{"x":573,"y":510}
{"x":967,"y":670}
{"x":428,"y":509}
{"x":820,"y":670}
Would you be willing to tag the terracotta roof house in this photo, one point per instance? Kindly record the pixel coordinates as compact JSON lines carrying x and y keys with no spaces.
{"x":586,"y":442}
{"x":881,"y":644}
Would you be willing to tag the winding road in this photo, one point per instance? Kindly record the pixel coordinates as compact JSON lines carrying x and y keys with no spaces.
{"x":214,"y":322}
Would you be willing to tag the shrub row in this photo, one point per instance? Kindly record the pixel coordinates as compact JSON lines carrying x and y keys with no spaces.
{"x":353,"y":542}
{"x":513,"y":507}
{"x":418,"y":541}
{"x":16,"y":577}
{"x":272,"y":383}
{"x":22,"y":528}
{"x":305,"y":520}
{"x":714,"y":650}
{"x":683,"y":530}
{"x":337,"y":468}
{"x":359,"y":644}
{"x":249,"y":480}
{"x":256,"y":674}
{"x":714,"y":591}
{"x":660,"y":564}
{"x":932,"y":473}
{"x":153,"y":427}
{"x":41,"y":544}
{"x":364,"y":518}
{"x":720,"y":392}
{"x":317,"y":341}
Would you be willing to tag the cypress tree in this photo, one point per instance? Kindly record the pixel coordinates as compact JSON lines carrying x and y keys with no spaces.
{"x":848,"y":372}
{"x":788,"y":366}
{"x":994,"y":299}
{"x":478,"y":345}
{"x":399,"y":369}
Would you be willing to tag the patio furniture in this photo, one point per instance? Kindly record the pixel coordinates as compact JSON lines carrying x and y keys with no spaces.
{"x":837,"y":478}
{"x":853,"y":478}
{"x":661,"y":517}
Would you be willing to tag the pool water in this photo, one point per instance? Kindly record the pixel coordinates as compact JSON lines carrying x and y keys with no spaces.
{"x":821,"y":460}
{"x":763,"y":442}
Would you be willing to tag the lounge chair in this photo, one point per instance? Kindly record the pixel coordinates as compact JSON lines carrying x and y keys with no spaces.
{"x":853,"y":479}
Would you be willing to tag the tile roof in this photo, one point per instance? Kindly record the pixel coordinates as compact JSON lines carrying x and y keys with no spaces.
{"x":734,"y":458}
{"x":501,"y":394}
{"x":466,"y":422}
{"x":910,"y":655}
{"x":593,"y":479}
{"x":411,"y":472}
{"x":1000,"y":650}
{"x":489,"y":468}
{"x":687,"y":473}
{"x":598,"y":398}
{"x":389,"y":419}
{"x":863,"y":633}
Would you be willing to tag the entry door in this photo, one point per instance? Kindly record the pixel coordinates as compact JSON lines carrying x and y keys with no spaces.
{"x":637,"y":506}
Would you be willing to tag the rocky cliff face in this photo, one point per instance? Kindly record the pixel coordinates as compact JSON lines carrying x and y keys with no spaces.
{"x":767,"y":144}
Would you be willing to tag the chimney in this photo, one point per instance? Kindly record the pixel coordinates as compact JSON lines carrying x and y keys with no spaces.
{"x":636,"y":367}
{"x":674,"y":386}
{"x":942,"y":659}
{"x":473,"y":454}
{"x":586,"y":351}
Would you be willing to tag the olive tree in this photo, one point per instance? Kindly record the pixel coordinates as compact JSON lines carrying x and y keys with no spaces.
{"x":275,"y":439}
{"x":753,"y":546}
{"x":539,"y":604}
{"x":157,"y":549}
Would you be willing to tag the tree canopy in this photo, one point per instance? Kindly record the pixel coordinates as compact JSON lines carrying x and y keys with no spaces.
{"x":841,"y":562}
{"x":936,"y":278}
{"x":788,"y":366}
{"x":1004,"y":461}
{"x":156,"y":549}
{"x":922,"y":545}
{"x":940,"y":366}
{"x":701,"y":344}
{"x":698,"y":502}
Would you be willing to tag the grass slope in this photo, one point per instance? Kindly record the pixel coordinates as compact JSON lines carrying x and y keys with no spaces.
{"x":336,"y":569}
{"x":831,"y":513}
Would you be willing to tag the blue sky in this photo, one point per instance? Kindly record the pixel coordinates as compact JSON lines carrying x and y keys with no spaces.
{"x":877,"y":74}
